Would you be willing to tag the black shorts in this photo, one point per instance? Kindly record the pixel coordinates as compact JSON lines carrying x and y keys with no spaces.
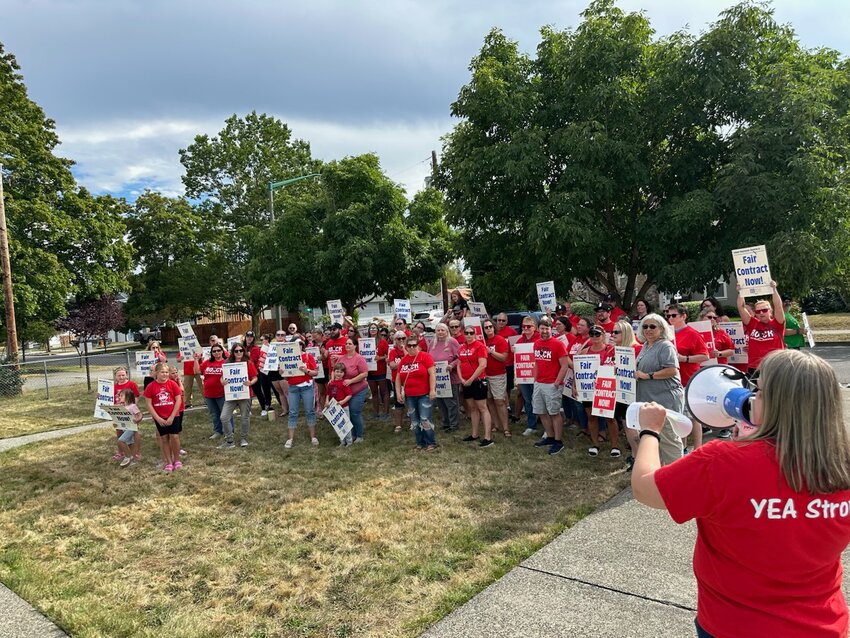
{"x":374,"y":376}
{"x":587,"y":404}
{"x":620,"y":411}
{"x":509,"y":370}
{"x":321,"y":381}
{"x":477,"y":390}
{"x":175,"y":428}
{"x":148,"y":381}
{"x":274,"y":375}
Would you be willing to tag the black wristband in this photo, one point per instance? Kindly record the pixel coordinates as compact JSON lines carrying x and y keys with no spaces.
{"x":649,"y":433}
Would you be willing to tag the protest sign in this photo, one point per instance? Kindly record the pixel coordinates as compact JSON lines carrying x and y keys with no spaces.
{"x":546,"y":295}
{"x":289,"y":359}
{"x":186,"y":351}
{"x":625,"y":373}
{"x":185,"y":330}
{"x":513,"y":339}
{"x":402,"y":309}
{"x":636,"y":326}
{"x":585,"y":366}
{"x":477,"y":309}
{"x":707,"y":334}
{"x":475,"y":324}
{"x":568,"y":386}
{"x":121,"y":417}
{"x":233,"y":341}
{"x":752,"y":271}
{"x":235,"y":376}
{"x":369,"y":351}
{"x":524,"y":363}
{"x":809,"y":336}
{"x":272,"y":353}
{"x":336,"y":416}
{"x":105,"y":396}
{"x":206,"y":352}
{"x":335,"y":311}
{"x":320,"y":367}
{"x":735,"y":329}
{"x":145,"y":360}
{"x":604,"y":393}
{"x":444,"y":380}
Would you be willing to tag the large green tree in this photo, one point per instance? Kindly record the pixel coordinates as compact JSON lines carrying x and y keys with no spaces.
{"x":64,"y":243}
{"x":357,"y":238}
{"x":618,"y":158}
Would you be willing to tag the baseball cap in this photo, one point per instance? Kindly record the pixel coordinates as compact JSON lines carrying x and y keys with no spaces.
{"x":335,"y":326}
{"x":603,"y":306}
{"x":560,"y":308}
{"x":608,"y":297}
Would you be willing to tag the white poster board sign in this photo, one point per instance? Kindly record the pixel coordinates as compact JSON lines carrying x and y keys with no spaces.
{"x":585,"y":367}
{"x":444,"y":380}
{"x":369,"y":351}
{"x":546,"y":296}
{"x":145,"y":360}
{"x":336,"y":416}
{"x":475,"y":324}
{"x":735,"y":330}
{"x":809,"y":336}
{"x":524,"y":363}
{"x":233,"y":341}
{"x":625,"y":374}
{"x":235,"y":376}
{"x":289,"y":359}
{"x":605,"y":393}
{"x":105,"y":396}
{"x":477,"y":309}
{"x":185,"y":330}
{"x":401,"y":308}
{"x":752,"y":271}
{"x":335,"y":311}
{"x":271,"y":352}
{"x":186,"y":351}
{"x":121,"y":417}
{"x":320,"y":367}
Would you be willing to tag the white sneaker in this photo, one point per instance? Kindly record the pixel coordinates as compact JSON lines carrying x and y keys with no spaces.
{"x":244,"y":443}
{"x":264,"y":413}
{"x":529,"y":431}
{"x":215,"y":435}
{"x":359,"y":439}
{"x":314,"y":441}
{"x":288,"y":444}
{"x":126,"y":461}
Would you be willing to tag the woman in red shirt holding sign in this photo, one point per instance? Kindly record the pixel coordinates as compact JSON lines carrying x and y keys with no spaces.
{"x":772,"y":509}
{"x":597,"y":345}
{"x":766,"y":331}
{"x":213,"y":390}
{"x":472,"y":356}
{"x":416,"y":384}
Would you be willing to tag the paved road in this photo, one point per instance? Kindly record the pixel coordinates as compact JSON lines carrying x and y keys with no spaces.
{"x":839,"y":356}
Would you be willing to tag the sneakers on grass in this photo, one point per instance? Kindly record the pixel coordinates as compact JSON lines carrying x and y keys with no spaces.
{"x":615,"y":453}
{"x":126,"y":461}
{"x":314,"y":442}
{"x":244,"y":443}
{"x":593,"y":451}
{"x":555,"y":448}
{"x":529,"y":431}
{"x":469,"y":439}
{"x":227,"y":445}
{"x":486,"y":443}
{"x":288,"y":444}
{"x":215,"y":435}
{"x":117,"y":457}
{"x":545,"y":441}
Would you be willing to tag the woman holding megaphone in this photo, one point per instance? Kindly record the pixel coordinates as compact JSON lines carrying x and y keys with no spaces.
{"x":772,"y":509}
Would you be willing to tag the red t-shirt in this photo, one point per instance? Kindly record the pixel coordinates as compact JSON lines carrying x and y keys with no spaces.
{"x":608,"y":326}
{"x":188,"y":364}
{"x":127,"y":385}
{"x":764,"y":338}
{"x":504,"y":333}
{"x":767,"y":559}
{"x":423,"y":345}
{"x":162,"y":397}
{"x":414,"y":374}
{"x":211,"y":370}
{"x":577,"y":345}
{"x":547,"y":358}
{"x":574,"y":319}
{"x":339,"y":391}
{"x":495,"y":367}
{"x":689,"y":342}
{"x":307,"y":358}
{"x":468,"y":355}
{"x":383,"y":351}
{"x":394,"y":355}
{"x":335,"y":348}
{"x":722,"y":341}
{"x":617,"y":314}
{"x":254,"y":356}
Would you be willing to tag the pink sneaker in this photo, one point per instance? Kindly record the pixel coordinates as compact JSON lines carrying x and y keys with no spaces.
{"x":117,"y":457}
{"x":168,"y":468}
{"x":178,"y":465}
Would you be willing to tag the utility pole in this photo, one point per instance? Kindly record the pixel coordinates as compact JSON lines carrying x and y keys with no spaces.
{"x":444,"y":284}
{"x":6,"y":265}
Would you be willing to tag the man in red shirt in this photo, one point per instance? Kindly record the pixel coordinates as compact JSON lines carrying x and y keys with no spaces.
{"x":550,"y":368}
{"x":498,"y":351}
{"x":617,"y":313}
{"x":603,"y":317}
{"x":334,"y":347}
{"x":505,"y":332}
{"x":766,"y":330}
{"x":692,"y":352}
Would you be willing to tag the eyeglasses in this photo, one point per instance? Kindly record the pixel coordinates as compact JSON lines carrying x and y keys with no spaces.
{"x":711,"y":316}
{"x":238,"y":350}
{"x":454,"y":325}
{"x":490,"y":327}
{"x":596,"y":333}
{"x":399,"y":338}
{"x":501,"y":321}
{"x":399,"y":323}
{"x":411,"y":345}
{"x":616,"y":332}
{"x":279,"y":334}
{"x":671,"y":315}
{"x":762,"y":311}
{"x":649,"y":326}
{"x":469,"y":332}
{"x":216,"y":350}
{"x":527,"y":326}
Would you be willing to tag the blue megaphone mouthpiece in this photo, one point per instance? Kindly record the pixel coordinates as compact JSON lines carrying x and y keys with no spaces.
{"x":736,"y":403}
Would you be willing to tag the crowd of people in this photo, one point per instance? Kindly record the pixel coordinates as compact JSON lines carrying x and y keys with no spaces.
{"x":402,"y":383}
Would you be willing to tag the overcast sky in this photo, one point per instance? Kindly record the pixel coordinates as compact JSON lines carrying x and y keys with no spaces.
{"x":129,"y":82}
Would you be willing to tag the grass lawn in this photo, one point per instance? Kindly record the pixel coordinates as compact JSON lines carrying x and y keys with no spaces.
{"x":31,"y":412}
{"x":374,"y":540}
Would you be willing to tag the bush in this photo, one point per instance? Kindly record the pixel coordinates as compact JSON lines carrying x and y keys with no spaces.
{"x":11,"y":379}
{"x":823,"y":301}
{"x":583,"y":309}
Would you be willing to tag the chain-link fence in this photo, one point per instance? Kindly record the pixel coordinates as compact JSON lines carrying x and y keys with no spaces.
{"x":40,"y":377}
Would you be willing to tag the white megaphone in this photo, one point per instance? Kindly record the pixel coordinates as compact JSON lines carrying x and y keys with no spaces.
{"x":719,"y":397}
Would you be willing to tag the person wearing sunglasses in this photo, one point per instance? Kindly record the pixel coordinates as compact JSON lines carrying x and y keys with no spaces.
{"x":238,"y":355}
{"x":598,"y":345}
{"x":766,"y":330}
{"x":603,"y":316}
{"x":472,"y":356}
{"x":658,"y":379}
{"x":159,"y":357}
{"x":692,"y":351}
{"x":573,"y":409}
{"x":771,"y":509}
{"x":394,"y":356}
{"x":624,"y":336}
{"x":445,"y":351}
{"x":416,"y":385}
{"x":302,"y":391}
{"x":498,"y":350}
{"x":524,"y":397}
{"x":506,"y":332}
{"x":551,"y":365}
{"x":281,"y":387}
{"x":213,"y":388}
{"x":458,"y":307}
{"x":356,"y":371}
{"x":377,"y":379}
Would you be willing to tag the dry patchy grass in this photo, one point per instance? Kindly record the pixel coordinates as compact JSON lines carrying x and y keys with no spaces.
{"x":834,"y":321}
{"x":31,"y":412}
{"x":374,"y":540}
